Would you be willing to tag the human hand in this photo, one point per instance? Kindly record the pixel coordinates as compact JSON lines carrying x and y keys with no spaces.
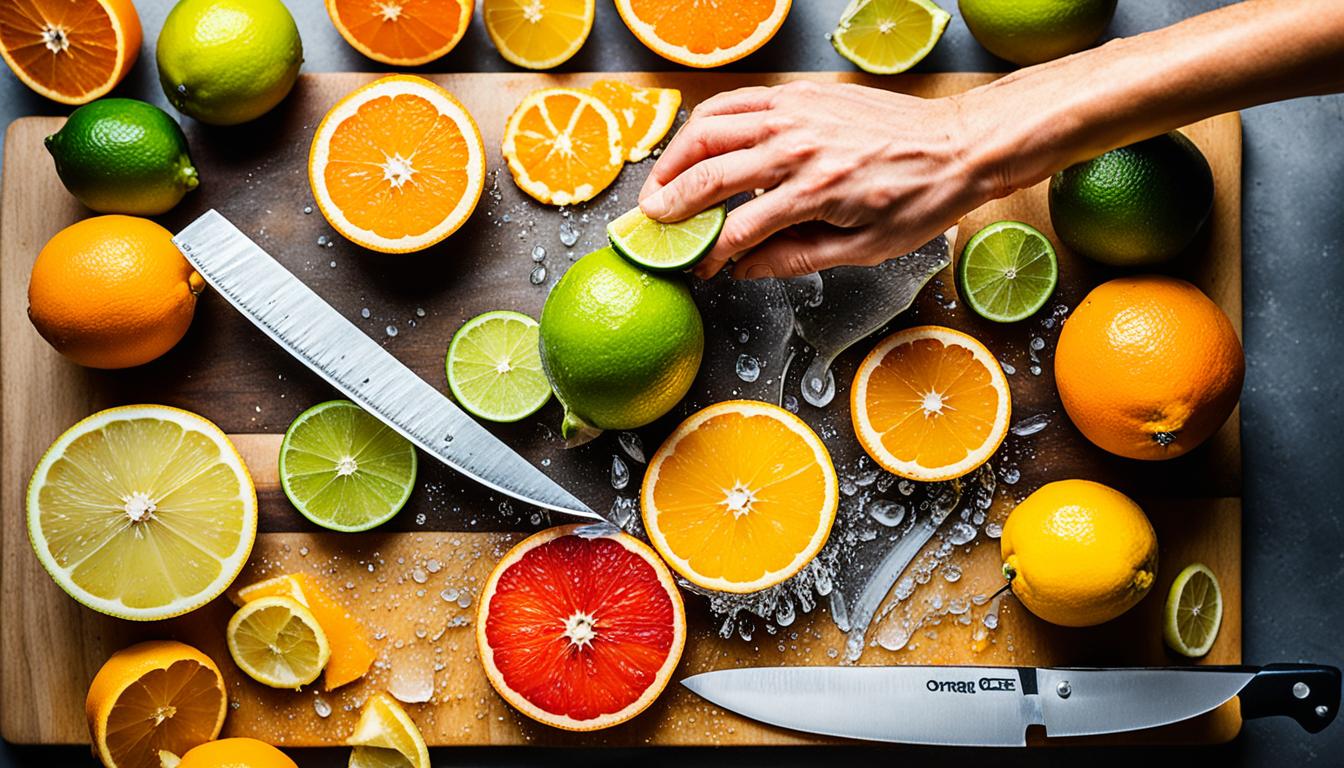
{"x":852,"y":175}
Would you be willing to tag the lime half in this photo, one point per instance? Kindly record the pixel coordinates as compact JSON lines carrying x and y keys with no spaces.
{"x":889,"y":36}
{"x":494,"y":367}
{"x":1007,"y":271}
{"x":666,"y":247}
{"x":1194,"y":611}
{"x":344,"y":469}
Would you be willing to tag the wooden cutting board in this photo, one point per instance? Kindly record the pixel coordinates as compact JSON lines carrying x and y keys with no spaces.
{"x":414,"y":584}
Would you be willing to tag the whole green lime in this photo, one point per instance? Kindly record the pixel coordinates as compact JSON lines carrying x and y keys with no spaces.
{"x":1028,"y":32}
{"x":123,"y":156}
{"x":620,"y":346}
{"x":225,"y":62}
{"x":1140,"y":204}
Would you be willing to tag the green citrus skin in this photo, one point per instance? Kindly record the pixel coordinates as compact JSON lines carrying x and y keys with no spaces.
{"x":1028,"y":32}
{"x":226,"y":62}
{"x":620,"y":345}
{"x":123,"y":156}
{"x":1138,"y":205}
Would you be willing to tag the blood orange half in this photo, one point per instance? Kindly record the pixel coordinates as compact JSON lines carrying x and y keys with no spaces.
{"x":580,"y":632}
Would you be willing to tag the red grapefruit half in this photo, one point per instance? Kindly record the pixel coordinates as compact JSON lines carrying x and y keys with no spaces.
{"x":580,"y":632}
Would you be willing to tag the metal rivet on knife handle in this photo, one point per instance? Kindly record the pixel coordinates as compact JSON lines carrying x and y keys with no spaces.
{"x":1063,"y":689}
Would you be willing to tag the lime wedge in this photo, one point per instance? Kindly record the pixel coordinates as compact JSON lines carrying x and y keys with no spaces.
{"x":665,"y":247}
{"x":344,"y":469}
{"x":889,"y":36}
{"x":1194,"y":611}
{"x":1007,"y":271}
{"x":494,"y":367}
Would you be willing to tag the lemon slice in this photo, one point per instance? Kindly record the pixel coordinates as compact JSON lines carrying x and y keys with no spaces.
{"x":538,"y":34}
{"x":278,"y":642}
{"x":889,"y":36}
{"x":142,"y":512}
{"x":386,"y":737}
{"x":1194,"y":611}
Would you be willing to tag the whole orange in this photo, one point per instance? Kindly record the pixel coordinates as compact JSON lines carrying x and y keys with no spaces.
{"x":112,"y":292}
{"x":1148,"y":367}
{"x":236,"y":753}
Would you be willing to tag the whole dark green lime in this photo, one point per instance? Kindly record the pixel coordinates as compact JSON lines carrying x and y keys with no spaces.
{"x":123,"y":156}
{"x":1136,"y":205}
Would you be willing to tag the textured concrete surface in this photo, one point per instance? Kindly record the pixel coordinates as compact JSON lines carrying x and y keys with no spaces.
{"x":1294,"y":267}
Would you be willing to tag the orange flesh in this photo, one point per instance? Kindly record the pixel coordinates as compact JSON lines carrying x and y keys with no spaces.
{"x":68,"y":47}
{"x":634,"y":626}
{"x":396,"y":166}
{"x":401,"y":29}
{"x":539,"y":145}
{"x":704,"y":26}
{"x":185,"y":695}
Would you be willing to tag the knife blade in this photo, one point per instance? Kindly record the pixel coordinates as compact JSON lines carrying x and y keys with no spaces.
{"x":308,"y":327}
{"x":993,"y":706}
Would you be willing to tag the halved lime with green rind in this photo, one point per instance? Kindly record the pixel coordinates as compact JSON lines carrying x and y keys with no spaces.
{"x":344,"y":469}
{"x":666,"y":247}
{"x":1007,"y":271}
{"x":889,"y":36}
{"x":1194,"y":611}
{"x":494,"y":367}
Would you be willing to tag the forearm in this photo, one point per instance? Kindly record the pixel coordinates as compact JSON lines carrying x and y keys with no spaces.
{"x":1030,"y":124}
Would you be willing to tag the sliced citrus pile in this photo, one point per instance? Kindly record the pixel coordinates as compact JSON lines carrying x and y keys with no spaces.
{"x":351,"y":652}
{"x":701,"y":34}
{"x":740,"y":497}
{"x":397,"y":165}
{"x":142,"y":512}
{"x":645,"y":114}
{"x":386,"y":737}
{"x":930,"y":403}
{"x":71,"y":51}
{"x":538,"y":34}
{"x":158,"y":695}
{"x":278,"y":642}
{"x":580,"y":630}
{"x":563,"y":146}
{"x":401,"y":32}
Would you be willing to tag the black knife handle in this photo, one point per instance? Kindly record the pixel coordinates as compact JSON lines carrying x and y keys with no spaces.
{"x":1308,"y":693}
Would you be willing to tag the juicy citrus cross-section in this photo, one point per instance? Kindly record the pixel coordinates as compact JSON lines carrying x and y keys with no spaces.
{"x":703,"y":33}
{"x":71,"y":51}
{"x":563,"y":146}
{"x":538,"y":34}
{"x":401,"y":32}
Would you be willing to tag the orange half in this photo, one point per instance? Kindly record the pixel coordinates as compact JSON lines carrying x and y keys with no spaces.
{"x":538,"y":34}
{"x":930,"y":403}
{"x":645,"y":114}
{"x":397,"y":165}
{"x":703,"y":33}
{"x":401,"y":32}
{"x":71,"y":51}
{"x":563,"y":146}
{"x":740,"y":497}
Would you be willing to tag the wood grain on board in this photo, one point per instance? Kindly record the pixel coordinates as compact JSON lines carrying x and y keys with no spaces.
{"x":442,"y":546}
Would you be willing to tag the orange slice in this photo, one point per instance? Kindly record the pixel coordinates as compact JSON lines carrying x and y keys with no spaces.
{"x":740,"y":497}
{"x":645,"y":114}
{"x":397,"y":165}
{"x":351,"y":652}
{"x":401,"y":32}
{"x":930,"y":403}
{"x":538,"y":34}
{"x":71,"y":51}
{"x":703,"y":34}
{"x":563,"y":146}
{"x":158,"y":695}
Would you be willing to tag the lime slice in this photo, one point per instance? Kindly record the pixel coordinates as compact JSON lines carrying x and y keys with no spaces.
{"x":1194,"y":611}
{"x":494,"y":366}
{"x":278,"y":642}
{"x":1007,"y":271}
{"x":344,"y":469}
{"x":889,"y":36}
{"x":665,"y":247}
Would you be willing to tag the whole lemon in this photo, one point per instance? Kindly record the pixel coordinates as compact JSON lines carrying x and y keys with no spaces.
{"x":112,"y":292}
{"x":225,"y":62}
{"x":1078,"y":553}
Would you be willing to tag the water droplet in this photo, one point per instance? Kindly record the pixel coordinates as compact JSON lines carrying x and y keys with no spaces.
{"x":365,"y":313}
{"x":748,"y":368}
{"x":785,"y":614}
{"x":321,"y":707}
{"x":962,"y":532}
{"x":620,"y":473}
{"x":819,"y":392}
{"x":905,"y":587}
{"x":411,"y":680}
{"x":419,"y":576}
{"x":952,"y":573}
{"x":1030,"y":425}
{"x":538,"y":253}
{"x":419,"y":311}
{"x":1010,"y":475}
{"x":449,"y":594}
{"x":303,"y":551}
{"x":322,"y":241}
{"x":1037,"y":343}
{"x":433,"y":566}
{"x":994,"y":530}
{"x":886,"y":512}
{"x":1034,"y":370}
{"x":632,"y":445}
{"x":463,"y":600}
{"x":622,"y":510}
{"x":391,"y":330}
{"x":307,"y":209}
{"x":905,"y":487}
{"x":538,"y":275}
{"x":1007,"y":367}
{"x":569,"y":234}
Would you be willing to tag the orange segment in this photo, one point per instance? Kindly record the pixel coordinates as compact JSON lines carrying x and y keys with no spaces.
{"x":538,"y":34}
{"x":930,"y":403}
{"x":397,"y":165}
{"x":351,"y":653}
{"x":703,"y":33}
{"x":71,"y":51}
{"x":645,"y":114}
{"x":563,"y":146}
{"x":740,"y":497}
{"x":401,"y":32}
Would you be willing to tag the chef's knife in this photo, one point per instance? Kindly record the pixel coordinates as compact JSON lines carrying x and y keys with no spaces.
{"x":992,"y":706}
{"x":299,"y":320}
